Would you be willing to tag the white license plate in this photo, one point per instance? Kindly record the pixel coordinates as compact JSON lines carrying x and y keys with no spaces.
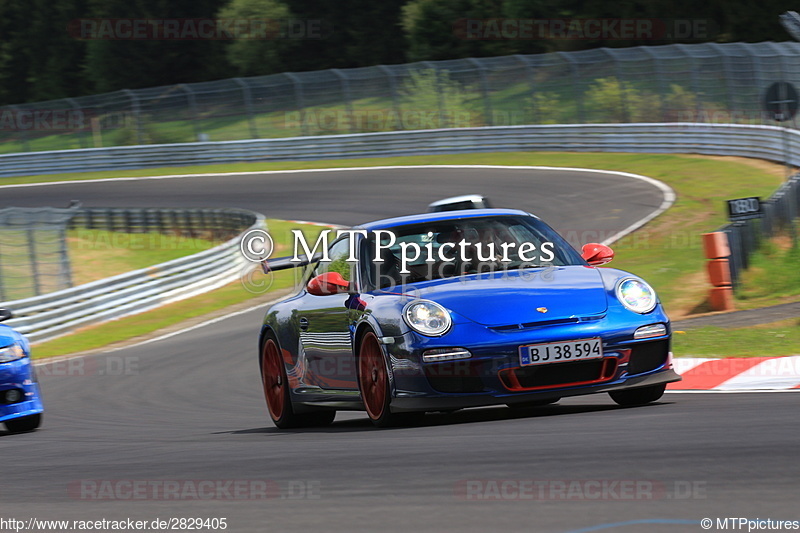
{"x":559,"y":352}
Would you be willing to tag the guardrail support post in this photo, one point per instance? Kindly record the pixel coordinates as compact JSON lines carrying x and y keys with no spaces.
{"x":192,"y":109}
{"x":86,"y":123}
{"x":23,"y":133}
{"x":487,"y":104}
{"x":299,"y":101}
{"x":393,"y":89}
{"x":37,"y":285}
{"x":348,"y":103}
{"x":577,"y":96}
{"x":2,"y":290}
{"x":662,"y":86}
{"x":248,"y":105}
{"x":66,"y":269}
{"x":439,"y":97}
{"x":136,"y":109}
{"x":529,"y":76}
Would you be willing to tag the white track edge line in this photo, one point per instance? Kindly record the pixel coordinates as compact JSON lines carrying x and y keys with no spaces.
{"x":669,"y":199}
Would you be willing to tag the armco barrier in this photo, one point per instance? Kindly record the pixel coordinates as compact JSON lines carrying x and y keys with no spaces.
{"x":763,"y":142}
{"x":51,"y":315}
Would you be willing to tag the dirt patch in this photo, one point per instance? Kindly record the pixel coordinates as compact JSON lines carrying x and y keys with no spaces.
{"x":693,"y":297}
{"x":782,"y":242}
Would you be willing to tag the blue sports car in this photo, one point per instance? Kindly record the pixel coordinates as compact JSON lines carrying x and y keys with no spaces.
{"x":457,"y":309}
{"x":20,"y":403}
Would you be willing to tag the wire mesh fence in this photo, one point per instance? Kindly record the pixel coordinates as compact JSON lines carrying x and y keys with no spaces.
{"x":34,"y":249}
{"x":745,"y":237}
{"x":709,"y":83}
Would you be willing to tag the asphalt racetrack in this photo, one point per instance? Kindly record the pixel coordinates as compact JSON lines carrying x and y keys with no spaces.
{"x":189,"y":410}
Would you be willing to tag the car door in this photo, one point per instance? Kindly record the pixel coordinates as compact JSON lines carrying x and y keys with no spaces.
{"x":324,"y":322}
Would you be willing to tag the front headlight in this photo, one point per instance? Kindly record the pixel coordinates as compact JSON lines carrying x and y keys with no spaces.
{"x":427,"y":317}
{"x":636,"y":295}
{"x":11,"y":353}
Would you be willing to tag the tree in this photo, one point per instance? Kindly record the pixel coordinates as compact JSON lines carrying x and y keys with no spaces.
{"x":450,"y":29}
{"x":252,"y":56}
{"x":358,"y":33}
{"x":39,"y":60}
{"x":129,"y":64}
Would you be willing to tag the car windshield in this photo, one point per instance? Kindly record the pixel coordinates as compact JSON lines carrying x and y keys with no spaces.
{"x":452,"y":248}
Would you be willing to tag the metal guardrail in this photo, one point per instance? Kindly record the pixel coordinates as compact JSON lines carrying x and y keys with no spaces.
{"x":51,"y":315}
{"x":220,"y":223}
{"x":763,"y":142}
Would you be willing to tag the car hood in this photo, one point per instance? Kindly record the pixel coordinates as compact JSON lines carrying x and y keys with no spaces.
{"x":7,"y":336}
{"x":522,"y":297}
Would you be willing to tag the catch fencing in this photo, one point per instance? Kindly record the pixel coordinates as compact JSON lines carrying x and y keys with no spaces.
{"x":33,"y":251}
{"x":779,"y":213}
{"x":705,"y":83}
{"x":34,"y":254}
{"x":51,"y":314}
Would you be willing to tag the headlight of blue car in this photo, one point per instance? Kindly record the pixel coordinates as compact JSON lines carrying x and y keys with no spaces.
{"x":11,"y":353}
{"x":427,"y":317}
{"x":636,"y":295}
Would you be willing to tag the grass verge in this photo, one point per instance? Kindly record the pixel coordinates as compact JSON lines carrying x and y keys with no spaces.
{"x":764,"y":340}
{"x":97,"y":254}
{"x":773,"y":277}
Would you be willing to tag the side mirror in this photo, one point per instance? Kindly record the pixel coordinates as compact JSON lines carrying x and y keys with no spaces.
{"x":597,"y":254}
{"x":5,"y":314}
{"x":327,"y":284}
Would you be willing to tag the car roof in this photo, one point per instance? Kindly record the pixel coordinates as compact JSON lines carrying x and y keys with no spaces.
{"x":437,"y":217}
{"x":456,"y":199}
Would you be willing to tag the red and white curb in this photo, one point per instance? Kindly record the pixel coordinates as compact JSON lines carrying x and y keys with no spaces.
{"x":737,"y":374}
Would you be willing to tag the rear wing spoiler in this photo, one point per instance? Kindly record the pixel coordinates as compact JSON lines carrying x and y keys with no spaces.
{"x":284,"y":263}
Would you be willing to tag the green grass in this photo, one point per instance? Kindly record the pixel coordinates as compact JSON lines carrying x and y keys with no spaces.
{"x":773,"y":277}
{"x":775,"y":339}
{"x":667,"y":252}
{"x":98,"y":254}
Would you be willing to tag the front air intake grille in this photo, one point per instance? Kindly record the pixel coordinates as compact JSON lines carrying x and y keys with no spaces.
{"x":455,"y":376}
{"x":647,"y":356}
{"x":569,"y":374}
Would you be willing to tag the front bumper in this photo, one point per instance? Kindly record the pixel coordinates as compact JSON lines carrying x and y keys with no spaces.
{"x":405,"y":402}
{"x":19,"y":375}
{"x":494,"y":374}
